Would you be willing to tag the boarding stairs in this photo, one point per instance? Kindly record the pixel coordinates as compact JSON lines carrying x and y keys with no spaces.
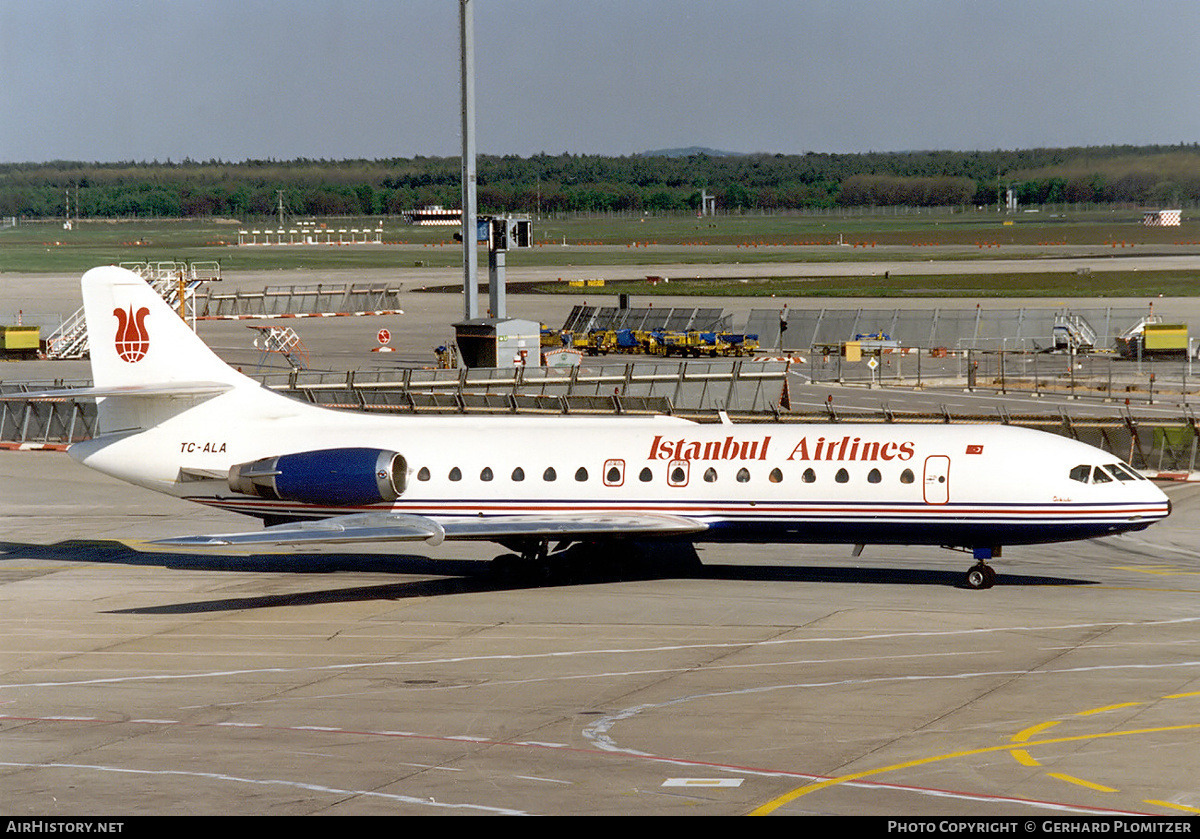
{"x":1073,"y":332}
{"x":1138,"y":329}
{"x":70,"y":340}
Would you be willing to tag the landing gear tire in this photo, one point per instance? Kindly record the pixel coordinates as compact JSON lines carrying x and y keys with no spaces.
{"x":981,"y":576}
{"x":533,"y":566}
{"x":506,"y":568}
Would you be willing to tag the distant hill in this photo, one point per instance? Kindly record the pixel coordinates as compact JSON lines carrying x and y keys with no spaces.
{"x":689,"y":151}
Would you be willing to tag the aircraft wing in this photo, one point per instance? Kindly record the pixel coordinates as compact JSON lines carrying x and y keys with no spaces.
{"x":399,"y":527}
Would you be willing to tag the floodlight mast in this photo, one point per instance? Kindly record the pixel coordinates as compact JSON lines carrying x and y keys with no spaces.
{"x":470,"y":234}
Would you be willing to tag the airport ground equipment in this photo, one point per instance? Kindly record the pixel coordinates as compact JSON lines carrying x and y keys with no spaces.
{"x":1073,"y":332}
{"x":692,"y":344}
{"x":1150,"y":336}
{"x":280,"y":340}
{"x":20,"y":341}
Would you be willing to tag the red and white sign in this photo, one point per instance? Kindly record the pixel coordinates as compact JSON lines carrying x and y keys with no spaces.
{"x":384,"y":336}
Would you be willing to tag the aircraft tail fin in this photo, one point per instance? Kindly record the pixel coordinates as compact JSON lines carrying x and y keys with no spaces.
{"x":147,"y":363}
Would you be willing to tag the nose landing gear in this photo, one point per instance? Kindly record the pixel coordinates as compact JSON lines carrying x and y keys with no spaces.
{"x":982,"y":575}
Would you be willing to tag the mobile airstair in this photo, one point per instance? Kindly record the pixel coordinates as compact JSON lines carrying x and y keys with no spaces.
{"x":1073,"y":332}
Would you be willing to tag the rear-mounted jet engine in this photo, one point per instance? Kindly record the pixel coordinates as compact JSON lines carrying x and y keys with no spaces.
{"x":329,"y":477}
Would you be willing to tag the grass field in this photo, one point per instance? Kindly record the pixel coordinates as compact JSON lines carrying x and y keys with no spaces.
{"x":33,"y":247}
{"x":1107,"y":284}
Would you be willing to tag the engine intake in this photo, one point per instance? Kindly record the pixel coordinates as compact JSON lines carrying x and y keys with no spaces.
{"x":330,"y":477}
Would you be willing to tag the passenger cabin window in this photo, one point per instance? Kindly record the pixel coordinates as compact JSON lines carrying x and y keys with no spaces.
{"x":549,"y":474}
{"x":842,"y":476}
{"x":874,"y":477}
{"x":743,"y":475}
{"x":776,"y":476}
{"x":710,"y":475}
{"x":906,"y":477}
{"x":423,"y":474}
{"x":645,"y":476}
{"x":581,"y":474}
{"x":809,"y":476}
{"x":518,"y":474}
{"x":486,"y":474}
{"x":456,"y":474}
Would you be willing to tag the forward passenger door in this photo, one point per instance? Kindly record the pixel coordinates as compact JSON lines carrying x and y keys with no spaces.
{"x":937,"y":479}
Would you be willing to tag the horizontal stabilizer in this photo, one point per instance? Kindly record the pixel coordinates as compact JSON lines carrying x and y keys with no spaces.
{"x":397,"y":527}
{"x":176,"y":389}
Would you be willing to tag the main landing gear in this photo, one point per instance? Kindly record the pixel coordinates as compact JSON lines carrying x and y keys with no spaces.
{"x":534,"y":563}
{"x":981,"y":575}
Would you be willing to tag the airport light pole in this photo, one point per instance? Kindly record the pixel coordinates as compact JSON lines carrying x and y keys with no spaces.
{"x":470,"y":235}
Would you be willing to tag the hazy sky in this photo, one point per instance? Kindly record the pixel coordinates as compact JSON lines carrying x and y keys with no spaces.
{"x":236,"y":79}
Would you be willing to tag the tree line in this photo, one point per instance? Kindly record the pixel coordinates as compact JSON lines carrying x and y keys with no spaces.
{"x":541,"y":184}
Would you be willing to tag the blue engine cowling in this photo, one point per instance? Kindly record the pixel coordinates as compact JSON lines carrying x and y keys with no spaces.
{"x":329,"y":477}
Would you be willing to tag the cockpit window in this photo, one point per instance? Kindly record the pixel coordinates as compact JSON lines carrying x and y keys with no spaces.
{"x":1104,"y":474}
{"x":1120,"y":472}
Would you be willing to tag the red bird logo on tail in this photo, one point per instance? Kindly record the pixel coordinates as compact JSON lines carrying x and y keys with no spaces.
{"x":132,"y":339}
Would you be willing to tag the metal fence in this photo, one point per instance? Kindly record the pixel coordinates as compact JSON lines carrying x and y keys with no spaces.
{"x":742,"y":385}
{"x":1105,"y":376}
{"x":585,"y":319}
{"x":746,"y":392}
{"x":68,"y":421}
{"x":298,"y":299}
{"x":978,"y":328}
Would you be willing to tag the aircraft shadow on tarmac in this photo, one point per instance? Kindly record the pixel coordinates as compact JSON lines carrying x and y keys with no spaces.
{"x":466,"y":576}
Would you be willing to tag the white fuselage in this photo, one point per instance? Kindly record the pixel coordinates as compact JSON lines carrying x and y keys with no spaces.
{"x":960,"y":485}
